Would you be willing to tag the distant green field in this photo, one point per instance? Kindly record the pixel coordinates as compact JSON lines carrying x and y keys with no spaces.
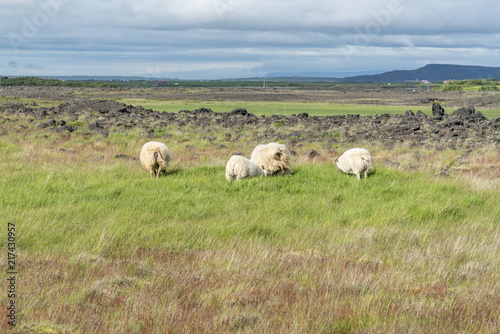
{"x":280,"y":108}
{"x":473,"y":85}
{"x":272,"y":108}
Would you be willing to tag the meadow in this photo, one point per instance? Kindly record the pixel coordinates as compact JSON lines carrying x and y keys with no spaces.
{"x":103,"y":248}
{"x":291,"y":108}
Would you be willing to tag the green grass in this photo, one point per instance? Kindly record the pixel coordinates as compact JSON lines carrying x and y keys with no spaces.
{"x":103,"y":248}
{"x":266,"y":108}
{"x":282,"y":108}
{"x":202,"y":207}
{"x":473,"y":85}
{"x":269,"y":108}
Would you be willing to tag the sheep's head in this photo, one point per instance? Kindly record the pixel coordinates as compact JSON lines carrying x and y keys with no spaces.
{"x":286,"y":170}
{"x":266,"y":172}
{"x":337,"y":164}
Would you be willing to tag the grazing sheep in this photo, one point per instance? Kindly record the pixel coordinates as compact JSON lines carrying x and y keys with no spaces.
{"x":155,"y":156}
{"x":274,"y":157}
{"x":239,"y":167}
{"x":355,"y":161}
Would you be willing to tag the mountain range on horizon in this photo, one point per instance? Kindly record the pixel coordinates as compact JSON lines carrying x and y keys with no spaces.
{"x":430,"y":72}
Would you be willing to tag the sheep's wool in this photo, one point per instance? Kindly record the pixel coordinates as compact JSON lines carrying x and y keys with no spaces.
{"x":355,"y":161}
{"x":155,"y":157}
{"x":239,"y":167}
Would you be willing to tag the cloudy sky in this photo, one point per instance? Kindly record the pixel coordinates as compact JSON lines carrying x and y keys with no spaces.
{"x":213,"y":39}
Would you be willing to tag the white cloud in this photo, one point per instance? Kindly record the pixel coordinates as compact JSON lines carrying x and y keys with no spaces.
{"x":220,"y":38}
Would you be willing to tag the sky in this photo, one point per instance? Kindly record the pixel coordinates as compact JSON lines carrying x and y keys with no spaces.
{"x":219,"y":39}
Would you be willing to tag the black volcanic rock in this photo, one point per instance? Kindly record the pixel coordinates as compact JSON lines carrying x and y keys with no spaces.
{"x":239,"y":111}
{"x":96,"y":126}
{"x":420,"y":114}
{"x":50,"y":123}
{"x":465,"y":129}
{"x":311,"y":154}
{"x":464,"y":112}
{"x":437,"y":110}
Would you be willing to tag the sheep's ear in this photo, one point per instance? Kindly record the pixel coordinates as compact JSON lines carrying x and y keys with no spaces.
{"x":156,"y":155}
{"x":277,"y":155}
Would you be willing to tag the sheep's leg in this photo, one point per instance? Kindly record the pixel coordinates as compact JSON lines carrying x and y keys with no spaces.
{"x":358,"y":176}
{"x":151,"y":173}
{"x":366,"y":173}
{"x":158,"y":172}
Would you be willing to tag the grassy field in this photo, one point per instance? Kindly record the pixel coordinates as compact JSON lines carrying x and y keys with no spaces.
{"x":280,"y":108}
{"x":363,"y":108}
{"x":102,"y":248}
{"x":271,"y":108}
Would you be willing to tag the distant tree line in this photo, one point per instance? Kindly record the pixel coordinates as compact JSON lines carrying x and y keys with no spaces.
{"x":34,"y":81}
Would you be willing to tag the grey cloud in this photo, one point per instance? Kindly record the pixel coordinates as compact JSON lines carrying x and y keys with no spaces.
{"x":254,"y":37}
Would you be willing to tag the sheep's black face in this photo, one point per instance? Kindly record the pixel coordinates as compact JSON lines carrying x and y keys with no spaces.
{"x":275,"y":172}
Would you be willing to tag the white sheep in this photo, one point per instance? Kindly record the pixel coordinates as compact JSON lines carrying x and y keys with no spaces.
{"x":355,"y":161}
{"x":155,"y":156}
{"x":274,"y":157}
{"x":239,"y":167}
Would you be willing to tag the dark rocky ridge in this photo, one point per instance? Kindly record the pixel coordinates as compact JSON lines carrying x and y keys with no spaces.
{"x":464,"y":128}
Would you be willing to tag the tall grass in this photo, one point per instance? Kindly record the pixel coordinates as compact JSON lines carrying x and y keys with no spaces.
{"x":103,"y":248}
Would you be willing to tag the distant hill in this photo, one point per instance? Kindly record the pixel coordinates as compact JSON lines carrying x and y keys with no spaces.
{"x":432,"y":73}
{"x":321,"y":75}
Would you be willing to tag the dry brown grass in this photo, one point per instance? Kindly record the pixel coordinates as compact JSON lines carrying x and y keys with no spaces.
{"x":347,"y":288}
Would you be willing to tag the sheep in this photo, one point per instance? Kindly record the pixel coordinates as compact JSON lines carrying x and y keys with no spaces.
{"x":355,"y":161}
{"x":239,"y":167}
{"x":274,"y":157}
{"x":155,"y":156}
